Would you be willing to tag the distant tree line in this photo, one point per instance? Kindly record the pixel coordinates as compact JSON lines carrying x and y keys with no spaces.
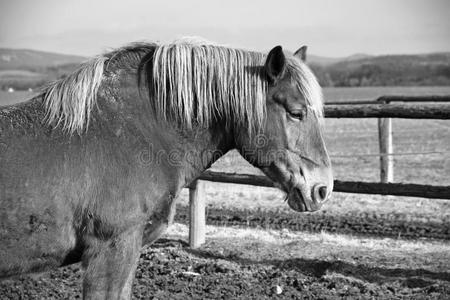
{"x":392,"y":70}
{"x":395,"y":70}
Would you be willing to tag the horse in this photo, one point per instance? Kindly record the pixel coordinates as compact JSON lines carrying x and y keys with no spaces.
{"x":91,"y":167}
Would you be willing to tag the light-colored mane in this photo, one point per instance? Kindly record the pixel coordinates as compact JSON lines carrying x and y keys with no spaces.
{"x":196,"y":80}
{"x":70,"y":101}
{"x":191,"y":80}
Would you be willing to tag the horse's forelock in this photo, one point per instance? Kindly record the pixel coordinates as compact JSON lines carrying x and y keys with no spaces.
{"x":307,"y":84}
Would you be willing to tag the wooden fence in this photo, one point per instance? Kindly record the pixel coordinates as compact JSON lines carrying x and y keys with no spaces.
{"x":384,"y":108}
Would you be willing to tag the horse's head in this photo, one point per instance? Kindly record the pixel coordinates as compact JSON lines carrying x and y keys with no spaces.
{"x":289,"y":147}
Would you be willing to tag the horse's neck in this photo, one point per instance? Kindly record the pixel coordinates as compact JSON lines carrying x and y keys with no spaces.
{"x":186,"y":152}
{"x":198,"y":150}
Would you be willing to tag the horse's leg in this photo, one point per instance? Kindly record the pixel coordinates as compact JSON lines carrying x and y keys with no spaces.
{"x":159,"y":222}
{"x":110,"y":266}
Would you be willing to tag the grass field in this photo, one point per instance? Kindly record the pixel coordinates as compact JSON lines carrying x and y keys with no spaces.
{"x":349,"y":141}
{"x":11,"y":98}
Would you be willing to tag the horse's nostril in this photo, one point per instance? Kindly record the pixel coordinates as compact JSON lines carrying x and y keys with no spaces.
{"x":320,"y":193}
{"x":323,"y":192}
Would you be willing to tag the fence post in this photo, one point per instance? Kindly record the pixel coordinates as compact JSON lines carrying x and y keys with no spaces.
{"x":197,"y":221}
{"x":386,"y":148}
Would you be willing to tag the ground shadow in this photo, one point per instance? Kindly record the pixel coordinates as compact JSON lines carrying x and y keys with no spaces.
{"x":412,"y":278}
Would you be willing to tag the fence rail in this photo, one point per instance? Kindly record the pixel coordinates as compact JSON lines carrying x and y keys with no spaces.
{"x":384,"y":110}
{"x":395,"y":98}
{"x":358,"y":187}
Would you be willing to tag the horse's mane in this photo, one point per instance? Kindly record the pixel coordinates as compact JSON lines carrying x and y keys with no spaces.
{"x":69,"y":101}
{"x":189,"y":81}
{"x":196,"y":81}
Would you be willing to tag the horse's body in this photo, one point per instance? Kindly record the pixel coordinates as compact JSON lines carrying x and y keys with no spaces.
{"x":90,"y":169}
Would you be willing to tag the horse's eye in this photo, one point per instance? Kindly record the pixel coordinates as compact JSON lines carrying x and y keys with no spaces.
{"x":297,"y":114}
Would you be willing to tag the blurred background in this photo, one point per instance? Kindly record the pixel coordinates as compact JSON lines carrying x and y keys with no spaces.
{"x":351,"y":43}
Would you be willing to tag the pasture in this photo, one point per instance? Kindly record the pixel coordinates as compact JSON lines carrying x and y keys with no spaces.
{"x":357,"y":246}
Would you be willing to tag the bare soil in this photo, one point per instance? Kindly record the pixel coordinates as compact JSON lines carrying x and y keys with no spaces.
{"x":268,"y":264}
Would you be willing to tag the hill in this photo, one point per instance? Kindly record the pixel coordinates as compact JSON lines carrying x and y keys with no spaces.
{"x":24,"y":69}
{"x":387,"y":70}
{"x":326,"y":61}
{"x":32,"y":60}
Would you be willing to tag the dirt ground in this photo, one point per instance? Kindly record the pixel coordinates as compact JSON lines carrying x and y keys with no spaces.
{"x":268,"y":264}
{"x":356,"y":247}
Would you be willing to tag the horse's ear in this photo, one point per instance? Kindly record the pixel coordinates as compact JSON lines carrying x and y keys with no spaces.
{"x":301,"y":53}
{"x":275,"y":63}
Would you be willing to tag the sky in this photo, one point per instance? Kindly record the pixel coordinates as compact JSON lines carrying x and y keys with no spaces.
{"x":333,"y":28}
